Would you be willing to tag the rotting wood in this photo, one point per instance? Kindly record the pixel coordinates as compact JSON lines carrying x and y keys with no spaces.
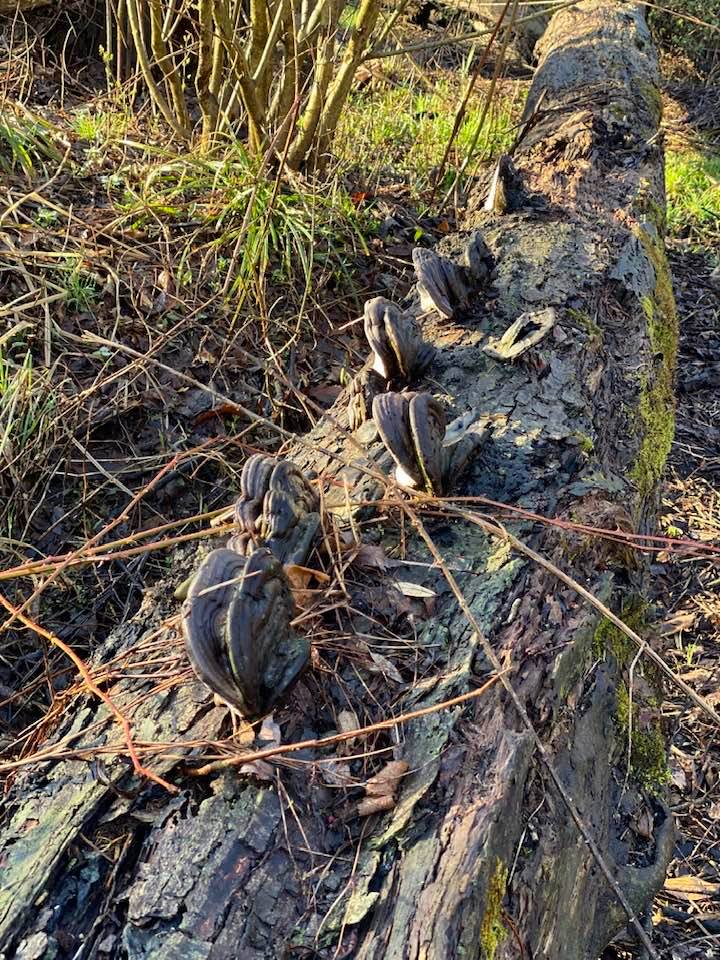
{"x":580,"y":426}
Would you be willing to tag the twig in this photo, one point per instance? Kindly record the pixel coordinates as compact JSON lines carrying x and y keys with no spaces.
{"x":140,"y":770}
{"x":349,"y":735}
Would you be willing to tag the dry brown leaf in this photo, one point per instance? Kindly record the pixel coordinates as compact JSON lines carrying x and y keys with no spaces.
{"x":374,"y":805}
{"x":386,"y":782}
{"x":269,"y":732}
{"x":410,"y":589}
{"x":347,"y":720}
{"x":260,"y":769}
{"x":382,"y":665}
{"x":336,"y":774}
{"x":372,"y":557}
{"x":679,"y":621}
{"x":689,"y":886}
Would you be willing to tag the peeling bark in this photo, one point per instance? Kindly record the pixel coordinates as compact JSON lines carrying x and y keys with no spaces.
{"x":479,"y":844}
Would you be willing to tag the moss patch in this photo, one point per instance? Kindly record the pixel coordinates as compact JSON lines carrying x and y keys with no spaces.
{"x":648,"y":753}
{"x":492,"y":931}
{"x":609,"y":639}
{"x":656,"y":407}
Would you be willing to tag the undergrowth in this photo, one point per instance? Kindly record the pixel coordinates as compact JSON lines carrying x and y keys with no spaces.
{"x":692,"y":179}
{"x":400,"y":131}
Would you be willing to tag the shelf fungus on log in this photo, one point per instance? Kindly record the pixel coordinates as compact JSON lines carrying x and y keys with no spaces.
{"x":236,"y":625}
{"x":443,"y":284}
{"x":439,"y":284}
{"x":413,"y":428}
{"x":528,"y":330}
{"x":502,"y":186}
{"x":398,"y":349}
{"x":277,"y":508}
{"x":364,"y":387}
{"x":399,"y":356}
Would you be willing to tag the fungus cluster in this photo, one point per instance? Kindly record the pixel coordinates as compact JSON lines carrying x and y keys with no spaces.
{"x":237,"y":617}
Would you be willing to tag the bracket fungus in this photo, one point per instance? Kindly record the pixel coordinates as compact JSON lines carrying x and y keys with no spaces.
{"x":277,"y":508}
{"x":439,"y":283}
{"x":501,"y":186}
{"x":413,"y":428}
{"x":236,"y":623}
{"x":528,"y":330}
{"x":363,"y":388}
{"x":399,"y":351}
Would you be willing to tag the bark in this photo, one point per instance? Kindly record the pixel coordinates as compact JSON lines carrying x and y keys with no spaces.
{"x":479,"y":854}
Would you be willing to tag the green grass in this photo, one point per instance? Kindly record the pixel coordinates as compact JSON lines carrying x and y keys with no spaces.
{"x":693,"y":193}
{"x":81,"y":290}
{"x":238,"y":217}
{"x":405,"y":131}
{"x":98,"y":126}
{"x":26,"y":407}
{"x":27,"y":142}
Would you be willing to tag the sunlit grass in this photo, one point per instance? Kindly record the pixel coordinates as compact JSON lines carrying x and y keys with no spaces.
{"x":27,"y":142}
{"x":26,"y":408}
{"x":404,"y":130}
{"x":693,"y":193}
{"x":238,"y":215}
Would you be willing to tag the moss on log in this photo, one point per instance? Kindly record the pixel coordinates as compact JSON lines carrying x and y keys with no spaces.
{"x":479,"y":854}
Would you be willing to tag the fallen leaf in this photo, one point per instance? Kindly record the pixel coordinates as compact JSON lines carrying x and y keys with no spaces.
{"x":384,"y":666}
{"x":300,"y":577}
{"x":371,"y":805}
{"x":269,"y":733}
{"x":679,"y":621}
{"x":643,"y":824}
{"x":689,"y":886}
{"x":386,"y":782}
{"x":260,"y":769}
{"x":336,"y":774}
{"x":325,"y":394}
{"x":372,"y":557}
{"x":347,"y":721}
{"x":409,"y":589}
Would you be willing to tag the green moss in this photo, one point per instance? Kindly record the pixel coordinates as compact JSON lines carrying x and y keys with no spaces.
{"x":609,"y":639}
{"x":585,"y":443}
{"x":648,"y":752}
{"x":653,"y":100}
{"x":656,"y":407}
{"x":492,"y":930}
{"x":591,"y":327}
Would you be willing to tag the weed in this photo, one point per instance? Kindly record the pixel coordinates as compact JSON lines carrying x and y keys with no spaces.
{"x":244,"y":223}
{"x":409,"y":130}
{"x":98,"y":126}
{"x":81,"y":290}
{"x":26,"y":410}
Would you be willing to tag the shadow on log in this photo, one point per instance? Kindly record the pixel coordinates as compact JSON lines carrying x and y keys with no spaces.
{"x":479,"y":855}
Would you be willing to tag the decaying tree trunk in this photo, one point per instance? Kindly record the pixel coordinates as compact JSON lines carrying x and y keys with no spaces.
{"x":480,"y":853}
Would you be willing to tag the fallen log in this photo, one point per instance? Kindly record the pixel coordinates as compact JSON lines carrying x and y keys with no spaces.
{"x":527,"y":814}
